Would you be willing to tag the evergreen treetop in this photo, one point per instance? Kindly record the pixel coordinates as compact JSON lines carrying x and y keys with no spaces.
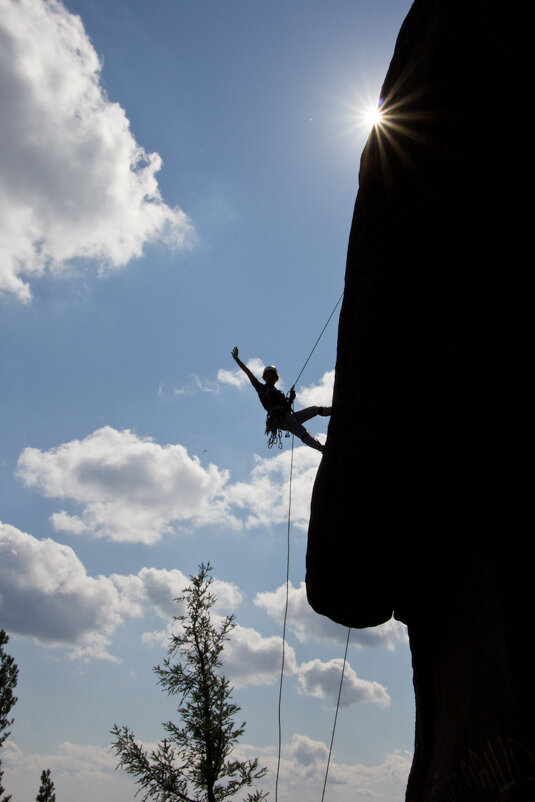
{"x":194,"y":761}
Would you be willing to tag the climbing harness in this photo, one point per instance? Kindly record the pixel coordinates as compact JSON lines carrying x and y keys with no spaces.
{"x":273,"y":425}
{"x":276,"y":436}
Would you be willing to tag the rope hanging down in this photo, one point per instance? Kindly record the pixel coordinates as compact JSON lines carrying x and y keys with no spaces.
{"x":285,"y":617}
{"x":336,"y":714}
{"x":287,"y":590}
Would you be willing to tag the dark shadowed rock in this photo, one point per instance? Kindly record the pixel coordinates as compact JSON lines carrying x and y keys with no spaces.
{"x":418,"y":508}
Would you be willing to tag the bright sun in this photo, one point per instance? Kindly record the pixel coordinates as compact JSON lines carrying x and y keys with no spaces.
{"x":372,"y":116}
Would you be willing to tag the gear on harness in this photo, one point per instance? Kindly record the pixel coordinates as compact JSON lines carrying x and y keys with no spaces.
{"x":274,"y":419}
{"x":274,"y":432}
{"x":275,"y":436}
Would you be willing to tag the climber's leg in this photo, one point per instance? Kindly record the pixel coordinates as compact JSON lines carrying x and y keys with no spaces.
{"x":303,"y":415}
{"x":308,"y":440}
{"x":291,"y":424}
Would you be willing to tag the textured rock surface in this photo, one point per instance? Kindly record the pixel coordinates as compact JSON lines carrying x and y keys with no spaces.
{"x":418,"y":504}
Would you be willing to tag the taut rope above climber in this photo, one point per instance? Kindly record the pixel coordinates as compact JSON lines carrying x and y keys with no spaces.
{"x":280,"y":415}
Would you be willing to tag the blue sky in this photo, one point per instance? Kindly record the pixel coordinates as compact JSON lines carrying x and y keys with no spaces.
{"x":177,"y":178}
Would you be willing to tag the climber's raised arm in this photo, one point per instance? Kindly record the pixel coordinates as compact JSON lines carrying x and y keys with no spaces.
{"x":252,"y":378}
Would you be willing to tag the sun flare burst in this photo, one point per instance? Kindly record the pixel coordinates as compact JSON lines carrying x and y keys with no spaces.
{"x":372,"y":116}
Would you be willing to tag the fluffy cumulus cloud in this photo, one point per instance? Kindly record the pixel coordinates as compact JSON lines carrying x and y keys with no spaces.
{"x":237,"y":378}
{"x":307,"y":752}
{"x":303,"y":766}
{"x":154,"y":588}
{"x":264,"y":497}
{"x":79,"y":771}
{"x":88,"y":771}
{"x":307,"y":624}
{"x":74,"y":183}
{"x":320,"y":394}
{"x":130,"y":488}
{"x":252,"y":659}
{"x":249,"y":659}
{"x":322,"y":680}
{"x":47,"y":594}
{"x":83,"y":761}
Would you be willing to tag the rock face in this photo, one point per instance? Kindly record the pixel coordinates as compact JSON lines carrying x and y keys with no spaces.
{"x":418,"y":508}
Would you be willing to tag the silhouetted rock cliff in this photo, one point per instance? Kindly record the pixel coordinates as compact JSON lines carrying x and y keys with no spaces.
{"x":419,"y":508}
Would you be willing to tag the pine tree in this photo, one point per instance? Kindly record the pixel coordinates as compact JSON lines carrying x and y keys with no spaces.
{"x":46,"y":790}
{"x":193,"y":763}
{"x":8,"y":682}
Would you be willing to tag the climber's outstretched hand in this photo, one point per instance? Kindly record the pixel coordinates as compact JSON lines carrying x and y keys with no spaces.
{"x":245,"y":369}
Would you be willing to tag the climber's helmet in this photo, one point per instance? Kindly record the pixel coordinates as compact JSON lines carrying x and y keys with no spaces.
{"x":271,"y":370}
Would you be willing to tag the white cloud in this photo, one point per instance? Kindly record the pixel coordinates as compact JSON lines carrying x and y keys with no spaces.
{"x":307,"y":752}
{"x":303,"y":766}
{"x":63,"y":522}
{"x":252,"y":659}
{"x":82,"y":760}
{"x":265,"y":496}
{"x":85,"y":771}
{"x":74,"y":183}
{"x":320,"y":395}
{"x":228,"y":595}
{"x":322,"y":680}
{"x":79,"y":771}
{"x":237,"y":378}
{"x":131,"y":489}
{"x":307,"y":624}
{"x":159,"y":588}
{"x":249,"y":657}
{"x":155,"y":588}
{"x":46,"y":593}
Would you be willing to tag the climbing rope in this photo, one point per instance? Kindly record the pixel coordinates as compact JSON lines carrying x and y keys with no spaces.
{"x":319,"y":338}
{"x":285,"y":616}
{"x":284,"y":650}
{"x":336,"y":715}
{"x":273,"y":440}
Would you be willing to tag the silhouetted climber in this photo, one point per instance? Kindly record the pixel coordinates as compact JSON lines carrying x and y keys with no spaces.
{"x":279,"y":407}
